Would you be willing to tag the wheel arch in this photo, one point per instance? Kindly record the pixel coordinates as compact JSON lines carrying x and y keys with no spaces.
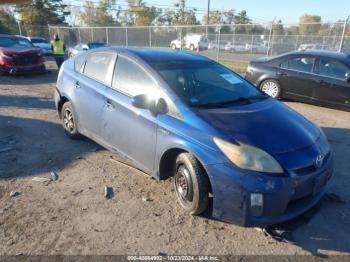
{"x":61,"y":102}
{"x":167,"y":163}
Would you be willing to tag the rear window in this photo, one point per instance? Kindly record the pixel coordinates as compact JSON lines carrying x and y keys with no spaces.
{"x":99,"y":66}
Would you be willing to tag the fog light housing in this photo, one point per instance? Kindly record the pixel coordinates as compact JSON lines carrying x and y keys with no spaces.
{"x":256,"y":204}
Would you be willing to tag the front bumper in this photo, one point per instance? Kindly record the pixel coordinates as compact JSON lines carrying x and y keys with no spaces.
{"x":284,"y":197}
{"x":16,"y":69}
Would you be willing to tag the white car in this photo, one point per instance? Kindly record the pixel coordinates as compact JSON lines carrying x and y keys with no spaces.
{"x":256,"y":48}
{"x":42,"y":43}
{"x":191,"y":42}
{"x":73,"y":51}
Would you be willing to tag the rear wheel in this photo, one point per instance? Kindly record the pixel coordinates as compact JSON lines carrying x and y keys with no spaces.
{"x":173,"y":46}
{"x":271,"y":87}
{"x":191,"y":184}
{"x":68,"y":121}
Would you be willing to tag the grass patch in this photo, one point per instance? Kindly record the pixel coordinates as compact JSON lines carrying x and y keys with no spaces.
{"x":239,"y":67}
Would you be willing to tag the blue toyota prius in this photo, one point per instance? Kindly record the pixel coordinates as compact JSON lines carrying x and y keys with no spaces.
{"x":182,"y":115}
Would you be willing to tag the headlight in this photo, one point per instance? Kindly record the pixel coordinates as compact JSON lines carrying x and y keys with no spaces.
{"x":3,"y":56}
{"x":249,"y":157}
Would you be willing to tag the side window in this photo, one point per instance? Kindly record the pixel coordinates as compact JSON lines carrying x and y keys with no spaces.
{"x":79,"y":60}
{"x":302,"y":64}
{"x":100,"y":66}
{"x":131,"y":79}
{"x":332,"y":68}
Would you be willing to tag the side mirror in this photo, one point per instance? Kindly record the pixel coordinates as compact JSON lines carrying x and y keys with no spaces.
{"x":155,"y":106}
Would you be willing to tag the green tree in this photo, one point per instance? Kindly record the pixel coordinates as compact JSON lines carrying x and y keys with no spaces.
{"x":8,"y":23}
{"x":278,"y":28}
{"x":36,"y":15}
{"x":184,"y":16}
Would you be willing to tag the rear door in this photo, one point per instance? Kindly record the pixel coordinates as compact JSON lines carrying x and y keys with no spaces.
{"x":296,"y":77}
{"x":332,"y":86}
{"x":129,"y":130}
{"x":90,"y":87}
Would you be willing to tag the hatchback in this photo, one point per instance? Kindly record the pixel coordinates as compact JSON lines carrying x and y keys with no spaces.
{"x":182,"y":115}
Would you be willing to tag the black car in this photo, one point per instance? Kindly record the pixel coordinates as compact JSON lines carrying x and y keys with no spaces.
{"x":321,"y":77}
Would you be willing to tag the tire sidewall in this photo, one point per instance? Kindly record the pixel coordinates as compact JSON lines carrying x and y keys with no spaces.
{"x":74,"y":133}
{"x":192,"y":206}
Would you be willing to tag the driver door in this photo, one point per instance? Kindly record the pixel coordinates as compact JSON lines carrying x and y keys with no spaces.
{"x":129,"y":130}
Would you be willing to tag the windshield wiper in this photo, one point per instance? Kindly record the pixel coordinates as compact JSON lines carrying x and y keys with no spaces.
{"x":237,"y":100}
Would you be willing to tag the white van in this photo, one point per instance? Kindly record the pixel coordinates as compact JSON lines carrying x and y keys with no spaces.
{"x":191,"y":42}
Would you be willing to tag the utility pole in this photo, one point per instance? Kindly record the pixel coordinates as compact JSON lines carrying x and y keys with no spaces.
{"x":270,"y":38}
{"x":343,"y":34}
{"x":208,"y":11}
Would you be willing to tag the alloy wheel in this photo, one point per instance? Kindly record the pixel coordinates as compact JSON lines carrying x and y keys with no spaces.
{"x":270,"y":88}
{"x":68,"y":120}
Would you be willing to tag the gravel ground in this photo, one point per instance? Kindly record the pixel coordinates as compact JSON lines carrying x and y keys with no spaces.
{"x":72,"y":216}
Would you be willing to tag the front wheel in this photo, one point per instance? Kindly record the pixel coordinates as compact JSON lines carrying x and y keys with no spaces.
{"x":191,"y":184}
{"x":271,"y":87}
{"x":69,"y":122}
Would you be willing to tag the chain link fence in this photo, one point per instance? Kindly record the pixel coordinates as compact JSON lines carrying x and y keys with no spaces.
{"x":233,"y":45}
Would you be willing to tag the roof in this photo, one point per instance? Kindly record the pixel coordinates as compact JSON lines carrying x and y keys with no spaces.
{"x":159,"y":56}
{"x":331,"y":54}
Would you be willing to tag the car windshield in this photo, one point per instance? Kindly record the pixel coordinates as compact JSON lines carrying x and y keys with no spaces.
{"x":38,"y":41}
{"x":208,"y":84}
{"x":96,"y":45}
{"x":15,"y":42}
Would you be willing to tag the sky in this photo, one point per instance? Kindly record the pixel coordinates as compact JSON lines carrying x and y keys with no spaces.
{"x":289,"y":11}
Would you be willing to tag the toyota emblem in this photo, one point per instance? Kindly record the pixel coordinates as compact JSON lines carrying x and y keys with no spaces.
{"x":319,"y":160}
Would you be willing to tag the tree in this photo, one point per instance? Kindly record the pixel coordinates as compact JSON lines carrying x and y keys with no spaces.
{"x":278,"y":28}
{"x":309,"y":24}
{"x":184,"y":16}
{"x":99,"y":15}
{"x":8,"y":23}
{"x":39,"y":13}
{"x":140,"y":14}
{"x":242,"y":20}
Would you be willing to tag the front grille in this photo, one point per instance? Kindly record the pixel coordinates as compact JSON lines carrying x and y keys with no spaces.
{"x":310,"y":168}
{"x":28,"y":59}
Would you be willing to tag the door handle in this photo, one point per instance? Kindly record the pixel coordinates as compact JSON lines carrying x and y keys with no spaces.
{"x":321,"y":82}
{"x":77,"y":85}
{"x":109,"y":105}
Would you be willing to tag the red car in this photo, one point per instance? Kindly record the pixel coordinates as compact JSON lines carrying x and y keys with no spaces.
{"x":18,"y":55}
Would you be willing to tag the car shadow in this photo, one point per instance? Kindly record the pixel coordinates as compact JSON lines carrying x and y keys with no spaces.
{"x":49,"y":77}
{"x":33,"y":147}
{"x":27,"y":102}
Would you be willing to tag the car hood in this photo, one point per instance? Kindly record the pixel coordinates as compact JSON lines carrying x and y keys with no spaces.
{"x":19,"y":51}
{"x":268,"y":125}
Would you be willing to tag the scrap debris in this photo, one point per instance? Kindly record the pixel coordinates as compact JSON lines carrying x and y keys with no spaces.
{"x":14,"y":193}
{"x":284,"y":232}
{"x":53,"y":177}
{"x":108,"y":192}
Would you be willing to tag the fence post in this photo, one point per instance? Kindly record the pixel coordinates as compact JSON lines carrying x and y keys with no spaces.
{"x":251,"y":44}
{"x":126,"y":36}
{"x":270,"y":37}
{"x":150,"y":36}
{"x":107,"y":36}
{"x":343,"y":34}
{"x":218,"y":42}
{"x":92,"y":34}
{"x":19,"y":27}
{"x":79,"y":35}
{"x":48,"y":26}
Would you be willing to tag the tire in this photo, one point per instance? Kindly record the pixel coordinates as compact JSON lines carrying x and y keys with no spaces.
{"x":173,"y":46}
{"x":271,"y":87}
{"x":191,"y":47}
{"x":191,"y":184}
{"x":68,"y":121}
